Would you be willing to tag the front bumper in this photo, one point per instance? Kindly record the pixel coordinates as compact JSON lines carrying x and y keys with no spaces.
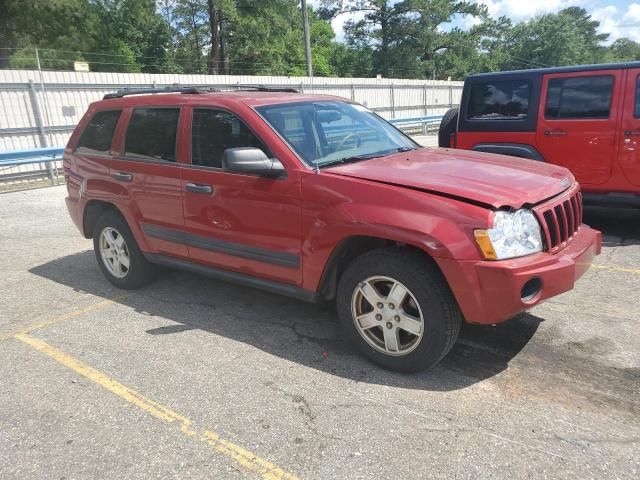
{"x":492,"y":291}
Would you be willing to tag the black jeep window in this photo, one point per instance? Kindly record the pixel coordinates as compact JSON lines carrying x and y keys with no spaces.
{"x":579,"y":97}
{"x":151,"y":134}
{"x":637,"y":114}
{"x":96,"y":137}
{"x":499,"y":100}
{"x":213,"y":131}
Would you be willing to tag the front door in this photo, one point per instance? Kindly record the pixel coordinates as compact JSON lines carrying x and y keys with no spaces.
{"x":149,"y":175}
{"x":578,"y":120}
{"x":629,"y":152}
{"x":238,"y":222}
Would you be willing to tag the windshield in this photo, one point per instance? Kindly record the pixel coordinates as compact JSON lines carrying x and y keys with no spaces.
{"x":324,"y":133}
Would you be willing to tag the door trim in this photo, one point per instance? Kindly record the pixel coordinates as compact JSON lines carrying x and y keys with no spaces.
{"x":236,"y":277}
{"x":272,"y":257}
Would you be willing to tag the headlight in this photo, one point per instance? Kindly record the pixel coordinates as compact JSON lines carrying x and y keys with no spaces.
{"x":512,"y":235}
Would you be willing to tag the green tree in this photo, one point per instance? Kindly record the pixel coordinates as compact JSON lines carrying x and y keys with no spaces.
{"x":623,"y":50}
{"x":569,"y":37}
{"x":409,"y":38}
{"x":266,"y":38}
{"x":189,"y":24}
{"x":112,"y":35}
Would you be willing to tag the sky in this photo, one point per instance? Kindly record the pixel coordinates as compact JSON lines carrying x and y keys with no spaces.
{"x":619,"y":18}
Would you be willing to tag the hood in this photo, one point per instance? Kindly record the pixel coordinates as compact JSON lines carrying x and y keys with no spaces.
{"x":484,"y":178}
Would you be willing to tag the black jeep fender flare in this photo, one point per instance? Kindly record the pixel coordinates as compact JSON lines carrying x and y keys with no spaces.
{"x":521,"y":150}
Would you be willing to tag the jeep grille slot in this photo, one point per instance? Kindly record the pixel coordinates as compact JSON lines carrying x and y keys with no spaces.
{"x":560,"y":219}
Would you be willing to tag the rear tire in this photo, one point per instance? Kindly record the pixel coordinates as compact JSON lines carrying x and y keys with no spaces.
{"x":448,"y":125}
{"x":402,"y":332}
{"x":118,"y":254}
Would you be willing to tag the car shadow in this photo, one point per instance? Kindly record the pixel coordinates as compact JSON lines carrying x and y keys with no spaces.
{"x":291,"y":329}
{"x":619,"y":226}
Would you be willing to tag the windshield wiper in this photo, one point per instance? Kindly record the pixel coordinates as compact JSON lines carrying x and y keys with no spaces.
{"x":352,"y":159}
{"x":367,"y":156}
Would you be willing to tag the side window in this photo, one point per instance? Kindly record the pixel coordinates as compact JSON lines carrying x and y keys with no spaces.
{"x":213,"y":131}
{"x":579,"y":97}
{"x":499,"y":100}
{"x":637,"y":114}
{"x":151,"y":134}
{"x":97,"y":136}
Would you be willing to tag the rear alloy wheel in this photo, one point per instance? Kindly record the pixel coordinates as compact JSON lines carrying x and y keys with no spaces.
{"x":118,"y":254}
{"x":114,"y":252}
{"x":395,"y":306}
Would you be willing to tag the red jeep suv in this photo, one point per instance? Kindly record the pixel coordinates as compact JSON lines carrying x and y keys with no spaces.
{"x":585,"y":118}
{"x":318,"y":198}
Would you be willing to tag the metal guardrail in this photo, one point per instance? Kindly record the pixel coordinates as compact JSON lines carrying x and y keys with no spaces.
{"x":412,"y":124}
{"x":46,"y":157}
{"x":36,"y":155}
{"x":416,"y":120}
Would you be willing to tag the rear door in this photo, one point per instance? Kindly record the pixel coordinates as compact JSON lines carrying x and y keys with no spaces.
{"x":149,"y":176}
{"x":579,"y":113}
{"x":629,"y":152}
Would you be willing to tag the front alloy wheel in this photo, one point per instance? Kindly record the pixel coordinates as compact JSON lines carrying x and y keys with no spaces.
{"x":395,"y":306}
{"x":387,"y":315}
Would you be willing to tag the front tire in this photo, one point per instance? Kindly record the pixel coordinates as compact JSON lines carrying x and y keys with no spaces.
{"x":397,"y":309}
{"x":118,"y":254}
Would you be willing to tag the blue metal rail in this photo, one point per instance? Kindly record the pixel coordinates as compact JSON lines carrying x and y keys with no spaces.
{"x":47,"y":156}
{"x":416,"y":120}
{"x":25,"y":157}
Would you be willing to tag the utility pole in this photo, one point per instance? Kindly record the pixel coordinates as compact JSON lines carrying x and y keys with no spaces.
{"x":307,"y":38}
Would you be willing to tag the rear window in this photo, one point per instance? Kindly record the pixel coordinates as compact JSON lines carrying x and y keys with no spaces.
{"x":96,"y":137}
{"x":499,"y":100}
{"x":579,"y":97}
{"x":151,"y":134}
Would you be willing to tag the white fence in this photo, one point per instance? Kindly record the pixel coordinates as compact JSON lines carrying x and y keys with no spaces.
{"x":39,"y":110}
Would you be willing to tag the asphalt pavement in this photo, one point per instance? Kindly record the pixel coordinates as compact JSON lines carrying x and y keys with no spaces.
{"x":195,"y":378}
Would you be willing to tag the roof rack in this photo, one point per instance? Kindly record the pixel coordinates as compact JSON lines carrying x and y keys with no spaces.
{"x":175,"y":89}
{"x":267,"y":88}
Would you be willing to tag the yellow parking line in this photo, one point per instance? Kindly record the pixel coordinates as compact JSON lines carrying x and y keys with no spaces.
{"x":243,"y":457}
{"x":635,"y":271}
{"x":66,"y":316}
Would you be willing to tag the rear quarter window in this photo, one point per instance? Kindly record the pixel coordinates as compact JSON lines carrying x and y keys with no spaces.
{"x":97,"y":136}
{"x":579,"y":97}
{"x":499,"y":100}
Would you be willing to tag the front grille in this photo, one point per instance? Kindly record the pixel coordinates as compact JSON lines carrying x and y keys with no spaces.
{"x":561,"y":219}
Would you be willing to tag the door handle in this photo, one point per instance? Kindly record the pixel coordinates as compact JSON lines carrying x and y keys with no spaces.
{"x":198,"y":188}
{"x":122,"y":176}
{"x":632,"y":133}
{"x":555,"y":133}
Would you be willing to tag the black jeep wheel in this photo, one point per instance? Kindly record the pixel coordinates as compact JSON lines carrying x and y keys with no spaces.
{"x":448,"y":125}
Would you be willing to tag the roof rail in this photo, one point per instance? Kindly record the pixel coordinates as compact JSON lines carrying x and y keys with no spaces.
{"x":173,"y":89}
{"x":267,"y":88}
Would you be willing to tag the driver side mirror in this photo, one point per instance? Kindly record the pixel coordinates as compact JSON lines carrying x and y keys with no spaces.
{"x":252,"y":161}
